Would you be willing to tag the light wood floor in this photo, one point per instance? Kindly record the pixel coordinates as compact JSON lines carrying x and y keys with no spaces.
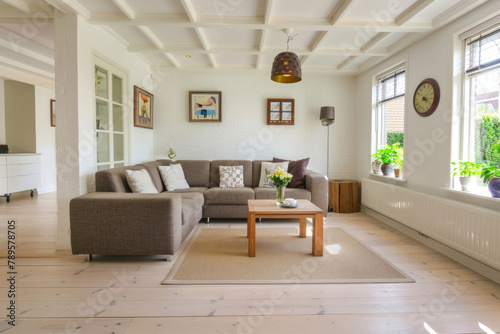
{"x":59,"y":293}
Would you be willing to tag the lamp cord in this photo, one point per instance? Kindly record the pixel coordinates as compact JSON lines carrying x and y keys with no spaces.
{"x":288,"y":41}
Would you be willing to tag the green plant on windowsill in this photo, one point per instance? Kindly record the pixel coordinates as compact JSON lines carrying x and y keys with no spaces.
{"x":490,"y":174}
{"x":466,"y":168}
{"x":387,"y":154}
{"x":398,"y":161}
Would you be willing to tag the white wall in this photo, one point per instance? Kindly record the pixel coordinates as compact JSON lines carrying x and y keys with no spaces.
{"x":141,"y":139}
{"x":428,"y":140}
{"x":45,"y":138}
{"x":243,"y":133}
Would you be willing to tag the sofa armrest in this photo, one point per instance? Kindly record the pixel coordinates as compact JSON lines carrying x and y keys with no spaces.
{"x":126,"y":223}
{"x":317,"y":184}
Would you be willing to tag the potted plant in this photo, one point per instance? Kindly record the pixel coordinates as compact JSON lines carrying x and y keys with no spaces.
{"x":398,"y":161}
{"x":466,"y":170}
{"x":386,"y":154}
{"x":490,"y":173}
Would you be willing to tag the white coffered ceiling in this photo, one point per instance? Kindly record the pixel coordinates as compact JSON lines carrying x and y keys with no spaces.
{"x":333,"y":36}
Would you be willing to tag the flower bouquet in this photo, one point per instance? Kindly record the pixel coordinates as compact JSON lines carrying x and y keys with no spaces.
{"x":280,"y":179}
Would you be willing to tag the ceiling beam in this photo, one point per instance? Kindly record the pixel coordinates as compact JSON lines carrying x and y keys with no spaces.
{"x":456,"y":11}
{"x":172,"y":59}
{"x":152,"y":37}
{"x":25,"y":67}
{"x":346,"y":61}
{"x":18,"y":4}
{"x":413,"y":10}
{"x":125,"y":8}
{"x":373,"y":41}
{"x":277,"y":23}
{"x":70,"y":6}
{"x":340,"y":11}
{"x":263,"y":36}
{"x":188,"y":7}
{"x":26,"y":52}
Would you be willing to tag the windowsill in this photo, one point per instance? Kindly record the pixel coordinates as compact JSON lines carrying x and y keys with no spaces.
{"x":389,"y":178}
{"x":481,"y":195}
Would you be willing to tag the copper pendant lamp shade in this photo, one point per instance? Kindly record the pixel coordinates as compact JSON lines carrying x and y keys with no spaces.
{"x":286,"y":68}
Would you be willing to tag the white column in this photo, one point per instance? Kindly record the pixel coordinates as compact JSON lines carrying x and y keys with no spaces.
{"x":75,"y":148}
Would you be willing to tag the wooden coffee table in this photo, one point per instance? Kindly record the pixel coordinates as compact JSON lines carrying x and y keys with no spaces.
{"x":258,"y":208}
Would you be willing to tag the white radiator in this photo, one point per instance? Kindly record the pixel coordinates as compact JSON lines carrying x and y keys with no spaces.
{"x":470,"y":230}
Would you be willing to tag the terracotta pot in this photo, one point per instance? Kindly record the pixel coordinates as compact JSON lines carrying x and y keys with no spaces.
{"x":397,"y":172}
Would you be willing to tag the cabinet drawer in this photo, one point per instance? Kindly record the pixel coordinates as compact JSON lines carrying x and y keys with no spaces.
{"x":23,"y":169}
{"x":21,"y":183}
{"x":3,"y":160}
{"x":3,"y":171}
{"x":3,"y":186}
{"x":23,"y":159}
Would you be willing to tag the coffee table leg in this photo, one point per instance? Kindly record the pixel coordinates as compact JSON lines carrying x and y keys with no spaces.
{"x":303,"y":227}
{"x":317,"y":243}
{"x":251,"y":234}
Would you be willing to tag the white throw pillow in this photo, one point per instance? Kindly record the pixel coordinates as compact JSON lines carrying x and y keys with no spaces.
{"x":267,"y":168}
{"x":173,"y":177}
{"x":231,"y":177}
{"x":140,"y":181}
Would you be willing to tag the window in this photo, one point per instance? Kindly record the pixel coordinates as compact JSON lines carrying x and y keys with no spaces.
{"x":390,"y":108}
{"x":481,"y":127}
{"x":111,"y":128}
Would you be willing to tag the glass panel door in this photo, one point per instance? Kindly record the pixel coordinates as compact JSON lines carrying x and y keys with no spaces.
{"x":111,"y":130}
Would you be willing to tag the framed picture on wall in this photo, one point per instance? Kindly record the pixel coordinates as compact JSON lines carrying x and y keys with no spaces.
{"x":280,"y":111}
{"x":205,"y":106}
{"x":143,"y":108}
{"x":52,"y":112}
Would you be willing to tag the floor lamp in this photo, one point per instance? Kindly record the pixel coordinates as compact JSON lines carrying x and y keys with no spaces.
{"x":327,"y":118}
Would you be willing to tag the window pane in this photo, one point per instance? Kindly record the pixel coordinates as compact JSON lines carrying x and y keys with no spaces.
{"x":118,"y":147}
{"x":101,"y":115}
{"x":102,"y":147}
{"x":483,"y":50}
{"x":103,"y":167}
{"x":121,"y":164}
{"x":486,"y":127}
{"x":117,"y":89}
{"x":394,"y":121}
{"x":117,"y":118}
{"x":101,"y":82}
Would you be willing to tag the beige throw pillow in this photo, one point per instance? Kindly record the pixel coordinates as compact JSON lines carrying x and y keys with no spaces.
{"x":267,"y":168}
{"x":173,"y":177}
{"x":231,"y":177}
{"x":140,"y":181}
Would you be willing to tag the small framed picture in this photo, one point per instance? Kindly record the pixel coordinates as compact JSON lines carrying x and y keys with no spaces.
{"x":280,"y":111}
{"x":143,"y":108}
{"x":205,"y":106}
{"x":53,"y":112}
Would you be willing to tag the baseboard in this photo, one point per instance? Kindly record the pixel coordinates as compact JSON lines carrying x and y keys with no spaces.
{"x":461,"y":258}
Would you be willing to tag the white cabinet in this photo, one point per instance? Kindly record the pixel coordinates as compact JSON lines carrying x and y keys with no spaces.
{"x":19,"y":172}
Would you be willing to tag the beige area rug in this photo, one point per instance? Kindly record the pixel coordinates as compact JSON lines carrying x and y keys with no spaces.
{"x":220,"y":256}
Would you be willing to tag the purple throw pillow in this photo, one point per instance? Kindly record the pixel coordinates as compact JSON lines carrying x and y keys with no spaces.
{"x":298,"y":169}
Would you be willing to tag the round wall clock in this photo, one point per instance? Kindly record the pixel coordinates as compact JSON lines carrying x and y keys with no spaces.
{"x":426,"y":97}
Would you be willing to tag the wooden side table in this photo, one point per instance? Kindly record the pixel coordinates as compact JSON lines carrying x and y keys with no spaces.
{"x":343,"y":196}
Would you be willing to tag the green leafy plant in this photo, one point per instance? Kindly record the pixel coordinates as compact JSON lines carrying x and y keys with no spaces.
{"x":398,"y":161}
{"x":466,"y":168}
{"x":491,"y":170}
{"x":387,"y":154}
{"x":395,"y":137}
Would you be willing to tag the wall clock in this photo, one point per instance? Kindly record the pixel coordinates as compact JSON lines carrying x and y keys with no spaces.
{"x":426,"y":97}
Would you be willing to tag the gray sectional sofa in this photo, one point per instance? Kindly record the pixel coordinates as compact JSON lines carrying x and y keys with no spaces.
{"x":115,"y":221}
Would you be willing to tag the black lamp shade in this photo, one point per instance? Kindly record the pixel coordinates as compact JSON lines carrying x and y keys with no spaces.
{"x":286,"y":68}
{"x":327,"y":115}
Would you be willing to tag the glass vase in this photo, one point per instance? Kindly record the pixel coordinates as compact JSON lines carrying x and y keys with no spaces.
{"x":280,"y":194}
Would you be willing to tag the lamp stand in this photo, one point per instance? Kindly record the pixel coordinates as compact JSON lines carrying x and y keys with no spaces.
{"x":327,"y":151}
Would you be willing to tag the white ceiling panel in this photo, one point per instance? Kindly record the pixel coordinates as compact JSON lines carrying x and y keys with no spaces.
{"x":324,"y":61}
{"x":235,"y":59}
{"x":222,"y":8}
{"x":172,"y":36}
{"x":391,"y":39}
{"x":131,"y":34}
{"x":435,"y":9}
{"x":100,"y":6}
{"x":348,"y":38}
{"x":157,"y":7}
{"x":382,"y":10}
{"x":306,"y":9}
{"x":232,"y":37}
{"x":276,"y":39}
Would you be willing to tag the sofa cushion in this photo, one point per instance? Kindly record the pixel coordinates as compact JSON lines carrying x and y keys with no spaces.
{"x":140,"y":181}
{"x":114,"y":179}
{"x":270,"y":193}
{"x":268,"y":168}
{"x":196,"y":172}
{"x":197,"y":198}
{"x":228,"y":195}
{"x":214,"y":171}
{"x":173,"y":177}
{"x":200,"y":190}
{"x":298,"y":169}
{"x":256,"y":171}
{"x":231,"y":177}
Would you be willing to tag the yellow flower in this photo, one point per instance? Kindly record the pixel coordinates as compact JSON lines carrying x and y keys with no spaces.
{"x":270,"y":176}
{"x":279,"y":172}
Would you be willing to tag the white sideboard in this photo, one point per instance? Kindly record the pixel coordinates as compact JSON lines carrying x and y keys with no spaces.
{"x":19,"y":172}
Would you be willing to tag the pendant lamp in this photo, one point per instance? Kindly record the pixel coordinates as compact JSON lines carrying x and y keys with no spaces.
{"x":286,"y":65}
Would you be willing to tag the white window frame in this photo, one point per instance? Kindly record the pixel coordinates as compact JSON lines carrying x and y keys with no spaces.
{"x":114,"y":69}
